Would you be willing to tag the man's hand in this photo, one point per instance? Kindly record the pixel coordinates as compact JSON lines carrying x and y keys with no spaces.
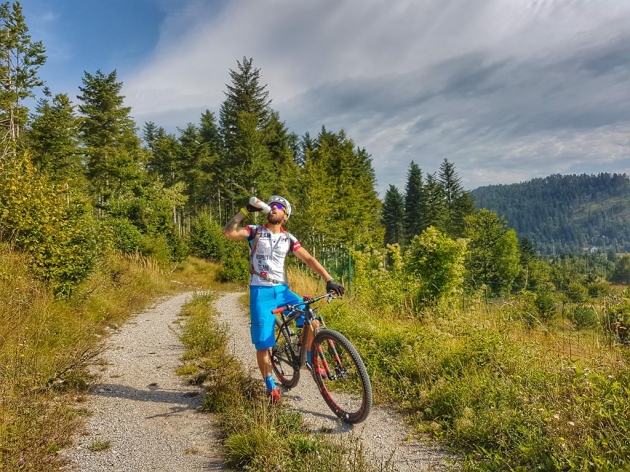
{"x":332,"y":286}
{"x":252,"y":208}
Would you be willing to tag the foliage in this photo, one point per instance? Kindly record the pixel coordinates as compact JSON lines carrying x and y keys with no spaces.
{"x":393,"y":216}
{"x":598,"y":288}
{"x":21,"y":59}
{"x":54,"y":226}
{"x":493,"y":252}
{"x":415,"y":203}
{"x":438,"y":262}
{"x":565,"y":213}
{"x":583,"y":316}
{"x":380,"y":280}
{"x":235,"y":264}
{"x":576,"y":292}
{"x":53,"y":138}
{"x":206,"y":239}
{"x":125,"y":236}
{"x":112,"y":149}
{"x":545,"y":305}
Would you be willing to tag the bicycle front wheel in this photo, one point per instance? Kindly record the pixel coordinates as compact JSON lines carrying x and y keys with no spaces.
{"x":341,"y":376}
{"x":285,"y":355}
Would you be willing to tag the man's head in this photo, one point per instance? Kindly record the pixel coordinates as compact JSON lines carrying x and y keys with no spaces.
{"x":280,"y":209}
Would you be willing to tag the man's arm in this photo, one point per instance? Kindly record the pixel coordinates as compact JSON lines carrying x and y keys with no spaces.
{"x":313,"y":263}
{"x":232,"y":230}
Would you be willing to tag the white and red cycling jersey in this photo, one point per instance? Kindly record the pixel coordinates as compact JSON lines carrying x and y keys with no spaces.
{"x":268,"y":254}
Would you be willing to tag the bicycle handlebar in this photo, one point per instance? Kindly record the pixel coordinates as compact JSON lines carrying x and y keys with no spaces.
{"x":330,"y":295}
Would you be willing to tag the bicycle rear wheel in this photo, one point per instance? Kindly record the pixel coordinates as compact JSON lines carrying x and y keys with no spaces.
{"x":285,"y":356}
{"x":341,"y":376}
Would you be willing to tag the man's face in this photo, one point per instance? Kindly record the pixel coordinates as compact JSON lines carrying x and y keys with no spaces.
{"x":276,"y":216}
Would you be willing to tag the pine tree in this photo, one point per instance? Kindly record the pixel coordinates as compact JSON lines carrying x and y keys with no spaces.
{"x":53,"y":138}
{"x":164,"y":152}
{"x":112,"y":149}
{"x":414,"y":202}
{"x":457,"y":202}
{"x":433,"y":207}
{"x":393,"y":215}
{"x":245,"y":164}
{"x":20,"y":59}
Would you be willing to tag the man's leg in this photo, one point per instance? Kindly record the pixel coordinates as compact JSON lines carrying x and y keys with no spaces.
{"x":262,"y":301}
{"x":264,"y":362}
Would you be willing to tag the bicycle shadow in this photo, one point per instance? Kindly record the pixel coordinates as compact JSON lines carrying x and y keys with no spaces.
{"x":333,"y":425}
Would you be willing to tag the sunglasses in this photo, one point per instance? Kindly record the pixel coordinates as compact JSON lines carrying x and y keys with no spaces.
{"x":277,"y":206}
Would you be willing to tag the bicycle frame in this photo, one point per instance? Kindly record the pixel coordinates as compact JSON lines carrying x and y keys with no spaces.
{"x":310,"y":314}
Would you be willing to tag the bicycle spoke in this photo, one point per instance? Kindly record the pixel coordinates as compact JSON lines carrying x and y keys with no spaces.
{"x":284,"y":357}
{"x":341,"y":377}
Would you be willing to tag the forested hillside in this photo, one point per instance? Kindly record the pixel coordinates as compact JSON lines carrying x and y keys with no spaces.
{"x":565,"y":213}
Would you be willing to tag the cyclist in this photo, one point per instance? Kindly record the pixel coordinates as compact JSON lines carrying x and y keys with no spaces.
{"x":268,"y":288}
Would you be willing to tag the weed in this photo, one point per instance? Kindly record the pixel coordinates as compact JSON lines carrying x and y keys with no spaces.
{"x":98,"y":445}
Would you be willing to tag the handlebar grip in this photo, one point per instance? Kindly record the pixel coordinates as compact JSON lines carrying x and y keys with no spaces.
{"x":279,"y":310}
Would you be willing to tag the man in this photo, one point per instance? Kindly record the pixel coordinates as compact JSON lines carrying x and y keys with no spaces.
{"x":268,"y":286}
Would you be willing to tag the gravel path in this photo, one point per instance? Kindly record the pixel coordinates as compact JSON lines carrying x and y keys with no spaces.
{"x":141,"y":408}
{"x":384,"y":435}
{"x":149,"y":417}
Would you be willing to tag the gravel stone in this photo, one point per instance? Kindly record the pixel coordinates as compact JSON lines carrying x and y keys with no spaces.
{"x":385,"y":437}
{"x":142,"y":407}
{"x":151,"y":418}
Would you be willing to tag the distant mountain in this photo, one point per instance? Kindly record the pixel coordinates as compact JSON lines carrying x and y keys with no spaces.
{"x":565,"y":213}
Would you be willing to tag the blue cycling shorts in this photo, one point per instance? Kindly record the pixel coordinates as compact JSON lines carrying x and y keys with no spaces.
{"x":261,"y":301}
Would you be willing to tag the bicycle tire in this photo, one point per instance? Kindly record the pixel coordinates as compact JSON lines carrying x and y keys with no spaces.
{"x":346,"y":387}
{"x":285,"y":356}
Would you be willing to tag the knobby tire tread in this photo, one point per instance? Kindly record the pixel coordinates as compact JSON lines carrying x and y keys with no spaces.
{"x":364,"y":411}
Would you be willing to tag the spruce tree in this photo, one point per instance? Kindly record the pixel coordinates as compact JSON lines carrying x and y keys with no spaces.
{"x":245,"y":164}
{"x":53,"y":138}
{"x":164,"y":152}
{"x":457,"y":202}
{"x":20,"y":59}
{"x":413,"y":221}
{"x":112,"y":149}
{"x":393,"y":215}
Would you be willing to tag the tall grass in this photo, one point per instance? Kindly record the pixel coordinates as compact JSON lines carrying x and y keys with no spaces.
{"x":45,"y":345}
{"x":492,"y":389}
{"x":258,"y":437}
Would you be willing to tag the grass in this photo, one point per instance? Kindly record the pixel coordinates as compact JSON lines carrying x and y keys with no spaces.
{"x":258,"y":437}
{"x":46,"y":343}
{"x":496,"y":391}
{"x":99,"y":446}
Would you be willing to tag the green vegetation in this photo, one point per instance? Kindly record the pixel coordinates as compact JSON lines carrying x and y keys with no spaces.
{"x":45,"y":344}
{"x":516,"y":361}
{"x":257,"y":436}
{"x":565,"y":213}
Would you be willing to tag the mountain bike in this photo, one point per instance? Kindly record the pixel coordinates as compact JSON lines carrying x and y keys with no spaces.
{"x":337,"y":369}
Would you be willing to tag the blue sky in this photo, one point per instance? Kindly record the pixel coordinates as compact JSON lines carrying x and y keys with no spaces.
{"x":506,"y":90}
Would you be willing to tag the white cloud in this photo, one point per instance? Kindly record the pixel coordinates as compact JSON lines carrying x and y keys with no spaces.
{"x":504,"y":89}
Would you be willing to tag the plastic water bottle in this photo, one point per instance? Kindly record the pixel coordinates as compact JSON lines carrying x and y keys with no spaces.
{"x":258,"y":203}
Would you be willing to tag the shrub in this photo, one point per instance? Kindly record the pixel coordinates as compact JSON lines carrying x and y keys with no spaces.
{"x":576,"y":292}
{"x":583,"y":316}
{"x":50,"y":223}
{"x":599,"y":289}
{"x":206,"y":240}
{"x":438,"y":261}
{"x":235,"y":264}
{"x":545,"y":305}
{"x":125,"y":236}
